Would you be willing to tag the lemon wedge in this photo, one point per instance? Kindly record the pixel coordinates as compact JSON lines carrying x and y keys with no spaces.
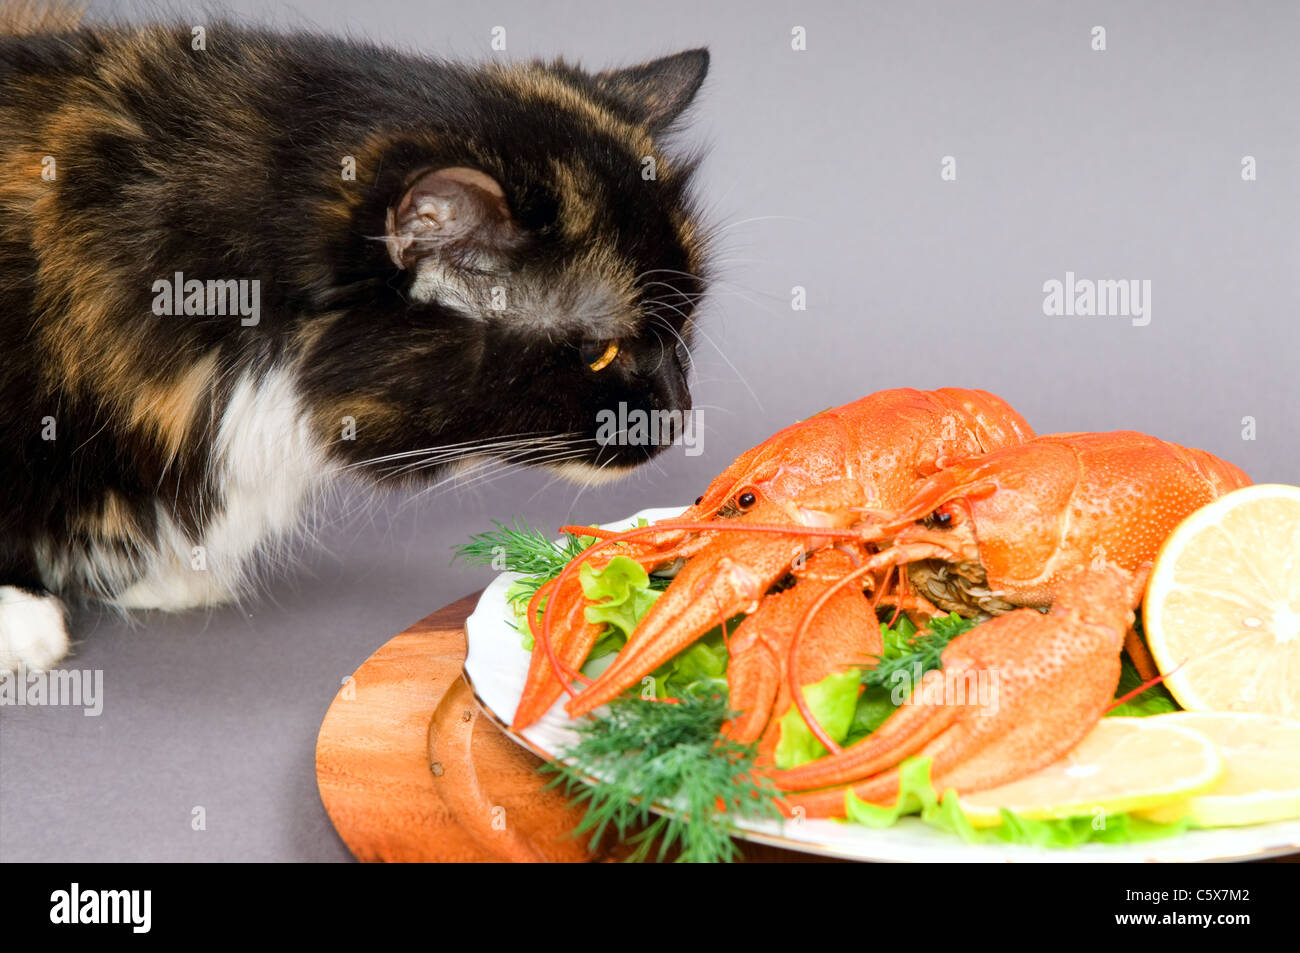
{"x":1222,"y":607}
{"x":1261,"y":782}
{"x":1123,"y":764}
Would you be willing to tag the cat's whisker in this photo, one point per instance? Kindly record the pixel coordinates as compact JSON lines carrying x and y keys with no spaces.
{"x":438,"y":463}
{"x":691,"y":357}
{"x":554,"y":478}
{"x":526,"y":455}
{"x":516,"y":453}
{"x":729,"y":411}
{"x":488,"y":470}
{"x":492,"y":473}
{"x":735,"y":370}
{"x":756,"y":218}
{"x":745,"y":297}
{"x":685,"y":274}
{"x":591,"y":479}
{"x":720,"y":289}
{"x":471,"y":449}
{"x":505,"y":438}
{"x":662,"y":350}
{"x":660,"y":321}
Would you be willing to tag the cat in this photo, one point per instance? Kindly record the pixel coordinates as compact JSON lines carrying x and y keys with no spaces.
{"x":237,"y":264}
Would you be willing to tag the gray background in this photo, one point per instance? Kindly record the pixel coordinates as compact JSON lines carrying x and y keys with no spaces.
{"x":823,"y":172}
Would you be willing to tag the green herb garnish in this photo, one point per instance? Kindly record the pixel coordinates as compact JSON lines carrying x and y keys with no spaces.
{"x":536,"y":557}
{"x":905,"y":648}
{"x":647,"y":752}
{"x":522,"y":549}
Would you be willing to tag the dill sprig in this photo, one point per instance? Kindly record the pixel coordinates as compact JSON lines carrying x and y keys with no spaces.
{"x":522,"y":549}
{"x":645,"y":753}
{"x":905,"y":648}
{"x":529,"y":552}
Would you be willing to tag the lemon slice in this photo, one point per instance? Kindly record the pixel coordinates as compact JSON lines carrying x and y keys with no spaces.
{"x":1222,"y":608}
{"x":1262,"y":780}
{"x":1123,"y":764}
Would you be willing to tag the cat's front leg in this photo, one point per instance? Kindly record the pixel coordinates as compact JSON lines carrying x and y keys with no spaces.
{"x":33,"y":627}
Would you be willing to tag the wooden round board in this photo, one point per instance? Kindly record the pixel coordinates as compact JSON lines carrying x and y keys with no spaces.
{"x":410,"y":769}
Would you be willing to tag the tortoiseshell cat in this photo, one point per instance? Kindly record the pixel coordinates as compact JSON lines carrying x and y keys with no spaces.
{"x":228,"y":273}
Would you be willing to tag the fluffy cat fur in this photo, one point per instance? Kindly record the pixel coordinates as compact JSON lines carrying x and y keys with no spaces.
{"x":458,"y":297}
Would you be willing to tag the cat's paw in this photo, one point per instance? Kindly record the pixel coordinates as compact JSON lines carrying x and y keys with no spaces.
{"x":33,"y":630}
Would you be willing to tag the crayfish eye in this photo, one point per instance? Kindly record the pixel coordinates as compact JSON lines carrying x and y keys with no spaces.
{"x":746,"y":500}
{"x":598,"y":355}
{"x":699,"y":500}
{"x":939,"y":519}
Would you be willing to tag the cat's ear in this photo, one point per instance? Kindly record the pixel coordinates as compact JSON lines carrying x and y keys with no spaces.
{"x":456,"y":205}
{"x":655,"y":93}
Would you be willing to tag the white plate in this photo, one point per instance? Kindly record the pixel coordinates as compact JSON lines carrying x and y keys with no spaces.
{"x":497,"y":667}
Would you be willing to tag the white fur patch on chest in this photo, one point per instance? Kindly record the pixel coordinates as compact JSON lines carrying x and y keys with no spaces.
{"x":267,"y":464}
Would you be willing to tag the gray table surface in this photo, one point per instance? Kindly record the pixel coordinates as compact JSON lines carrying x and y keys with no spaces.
{"x":219,"y":710}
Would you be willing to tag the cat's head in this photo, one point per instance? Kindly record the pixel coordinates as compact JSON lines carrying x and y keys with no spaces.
{"x":541,"y":266}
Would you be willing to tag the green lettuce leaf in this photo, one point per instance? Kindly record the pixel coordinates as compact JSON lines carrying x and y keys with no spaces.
{"x":904,"y":653}
{"x":518,"y":595}
{"x":700,"y":667}
{"x":833,"y":701}
{"x":621,"y":593}
{"x":874,"y":706}
{"x":917,"y":795}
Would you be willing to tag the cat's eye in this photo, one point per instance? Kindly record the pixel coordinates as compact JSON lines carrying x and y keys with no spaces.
{"x":598,"y":354}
